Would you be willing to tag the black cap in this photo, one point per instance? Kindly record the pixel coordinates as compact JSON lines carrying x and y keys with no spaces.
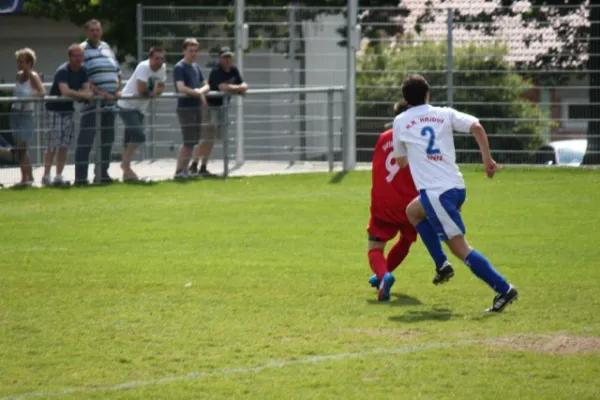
{"x":225,"y":52}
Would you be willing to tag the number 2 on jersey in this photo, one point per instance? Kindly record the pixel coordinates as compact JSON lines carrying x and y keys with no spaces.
{"x":430,"y":147}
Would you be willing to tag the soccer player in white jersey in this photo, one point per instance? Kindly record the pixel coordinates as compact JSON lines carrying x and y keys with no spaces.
{"x":423,"y":138}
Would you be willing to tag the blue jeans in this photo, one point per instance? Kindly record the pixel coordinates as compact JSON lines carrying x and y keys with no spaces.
{"x":134,"y":126}
{"x":85,"y":141}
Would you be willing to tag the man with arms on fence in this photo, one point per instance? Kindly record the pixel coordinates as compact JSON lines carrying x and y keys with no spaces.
{"x":70,"y":80}
{"x":104,"y":74}
{"x":147,"y":81}
{"x":423,"y":138}
{"x":391,"y":191}
{"x":189,"y":80}
{"x":224,"y":77}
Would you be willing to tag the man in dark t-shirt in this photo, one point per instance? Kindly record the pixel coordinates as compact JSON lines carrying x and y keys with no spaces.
{"x":70,"y":80}
{"x":224,"y":77}
{"x":189,"y":80}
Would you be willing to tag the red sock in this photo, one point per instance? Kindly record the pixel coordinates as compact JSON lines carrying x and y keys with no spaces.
{"x":377,"y":262}
{"x":397,"y":254}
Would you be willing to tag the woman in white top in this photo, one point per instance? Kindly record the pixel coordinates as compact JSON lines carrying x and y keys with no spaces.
{"x":22,"y":120}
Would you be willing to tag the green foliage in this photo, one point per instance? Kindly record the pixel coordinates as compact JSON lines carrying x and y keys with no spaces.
{"x":494,"y":93}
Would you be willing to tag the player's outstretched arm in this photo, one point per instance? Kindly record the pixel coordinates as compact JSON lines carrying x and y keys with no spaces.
{"x":484,"y":146}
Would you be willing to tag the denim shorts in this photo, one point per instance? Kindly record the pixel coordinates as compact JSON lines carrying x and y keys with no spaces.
{"x":134,"y":125}
{"x":22,"y":125}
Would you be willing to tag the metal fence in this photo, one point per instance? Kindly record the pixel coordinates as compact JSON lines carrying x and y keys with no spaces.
{"x":275,"y":138}
{"x":532,"y":74}
{"x":523,"y":70}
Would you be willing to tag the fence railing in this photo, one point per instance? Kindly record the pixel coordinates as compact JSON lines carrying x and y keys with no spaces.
{"x":271,"y":131}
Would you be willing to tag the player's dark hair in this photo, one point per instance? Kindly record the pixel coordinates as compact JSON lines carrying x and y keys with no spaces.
{"x":400,"y":107}
{"x":154,"y":50}
{"x":415,"y":89}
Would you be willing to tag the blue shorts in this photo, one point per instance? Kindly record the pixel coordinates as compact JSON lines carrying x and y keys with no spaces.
{"x":443,"y":211}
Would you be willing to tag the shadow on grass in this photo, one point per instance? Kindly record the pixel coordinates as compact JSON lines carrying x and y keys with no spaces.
{"x":439,"y":314}
{"x":339,"y":177}
{"x":398,"y":300}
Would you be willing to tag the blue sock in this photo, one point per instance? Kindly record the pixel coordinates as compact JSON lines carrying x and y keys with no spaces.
{"x":483,"y":269}
{"x":432,"y":242}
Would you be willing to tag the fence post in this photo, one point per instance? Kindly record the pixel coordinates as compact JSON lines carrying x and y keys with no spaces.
{"x":98,"y":138}
{"x":449,"y":59}
{"x":292,"y":60}
{"x":151,"y":131}
{"x":224,"y":128}
{"x":241,"y":38}
{"x":350,"y":134}
{"x":330,"y":95}
{"x":38,"y":128}
{"x":139,"y":31}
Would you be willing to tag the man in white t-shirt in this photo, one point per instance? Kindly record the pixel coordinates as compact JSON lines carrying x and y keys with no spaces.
{"x":423,"y":138}
{"x":147,"y":81}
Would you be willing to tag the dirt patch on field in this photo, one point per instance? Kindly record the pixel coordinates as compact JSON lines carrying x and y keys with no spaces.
{"x":553,"y":344}
{"x":386,"y":332}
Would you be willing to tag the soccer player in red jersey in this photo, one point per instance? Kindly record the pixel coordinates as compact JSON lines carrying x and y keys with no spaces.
{"x":391,"y":191}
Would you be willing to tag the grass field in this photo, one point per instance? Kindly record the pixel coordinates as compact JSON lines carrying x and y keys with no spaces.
{"x":257,"y":288}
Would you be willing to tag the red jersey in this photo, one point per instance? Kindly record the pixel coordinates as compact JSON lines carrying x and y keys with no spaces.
{"x":392,"y":187}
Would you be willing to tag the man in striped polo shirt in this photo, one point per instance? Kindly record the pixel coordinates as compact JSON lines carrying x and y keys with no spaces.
{"x":104,"y":74}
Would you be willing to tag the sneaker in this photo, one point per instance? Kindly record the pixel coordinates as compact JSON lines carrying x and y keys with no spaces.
{"x":443,"y":274}
{"x":46,"y":181}
{"x":384,"y":288}
{"x":105,"y":180}
{"x":374,"y":282}
{"x":181,"y":175}
{"x":60,"y":181}
{"x":193,"y":169}
{"x":204,"y":172}
{"x":502,"y":300}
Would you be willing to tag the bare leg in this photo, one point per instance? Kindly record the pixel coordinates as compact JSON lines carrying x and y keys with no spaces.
{"x":48,"y":160}
{"x":61,"y":160}
{"x":128,"y":153}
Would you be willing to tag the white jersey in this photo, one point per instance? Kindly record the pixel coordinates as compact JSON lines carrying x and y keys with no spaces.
{"x":425,"y":135}
{"x":145,"y":74}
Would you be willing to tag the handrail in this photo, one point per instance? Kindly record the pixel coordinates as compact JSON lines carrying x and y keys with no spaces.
{"x":213,"y":94}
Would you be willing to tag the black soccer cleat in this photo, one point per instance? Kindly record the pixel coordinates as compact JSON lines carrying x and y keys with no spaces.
{"x":443,"y":274}
{"x":502,"y":300}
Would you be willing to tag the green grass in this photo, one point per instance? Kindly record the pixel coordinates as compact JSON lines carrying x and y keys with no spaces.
{"x":102,"y":286}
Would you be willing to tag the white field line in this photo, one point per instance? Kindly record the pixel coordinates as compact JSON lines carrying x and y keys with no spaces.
{"x":241,"y":370}
{"x":269,"y":365}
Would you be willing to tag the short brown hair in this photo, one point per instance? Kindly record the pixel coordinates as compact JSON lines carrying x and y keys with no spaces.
{"x":190,"y":42}
{"x":400,"y":107}
{"x":72,"y":47}
{"x":415,"y":89}
{"x":91,"y":22}
{"x":26,"y":53}
{"x":155,"y":50}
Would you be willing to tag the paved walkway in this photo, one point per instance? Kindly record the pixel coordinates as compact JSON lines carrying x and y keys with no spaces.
{"x":163,"y":169}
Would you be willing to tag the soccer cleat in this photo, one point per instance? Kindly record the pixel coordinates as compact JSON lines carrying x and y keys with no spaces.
{"x":374,"y":282}
{"x":46,"y":181}
{"x":502,"y":300}
{"x":384,"y":287}
{"x":443,"y":274}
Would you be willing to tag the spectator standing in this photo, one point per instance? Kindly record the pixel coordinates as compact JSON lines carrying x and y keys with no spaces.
{"x":189,"y":80}
{"x":22,"y":119}
{"x":70,"y":80}
{"x":148,"y":81}
{"x":104,"y":74}
{"x":224,"y":77}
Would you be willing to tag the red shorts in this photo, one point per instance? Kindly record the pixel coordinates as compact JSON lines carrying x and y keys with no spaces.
{"x":386,"y":231}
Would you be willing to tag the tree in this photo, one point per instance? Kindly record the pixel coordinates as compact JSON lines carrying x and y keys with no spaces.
{"x":514,"y":124}
{"x":576,"y":39}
